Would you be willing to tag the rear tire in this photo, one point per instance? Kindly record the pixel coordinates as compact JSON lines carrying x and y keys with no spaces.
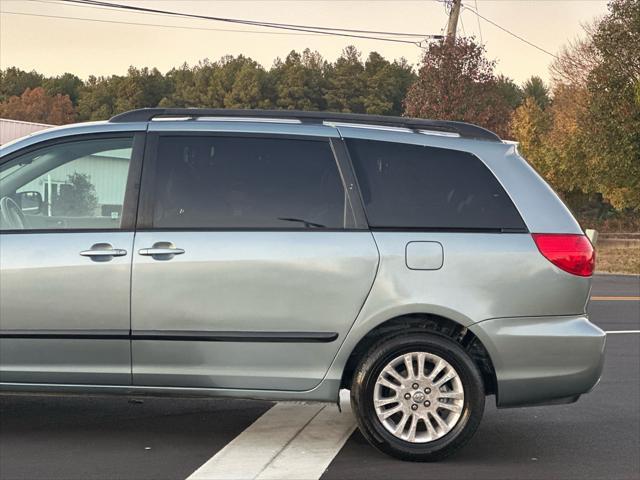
{"x":393,"y":381}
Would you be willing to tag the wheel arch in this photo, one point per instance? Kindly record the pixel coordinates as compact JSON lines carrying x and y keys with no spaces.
{"x":424,"y":323}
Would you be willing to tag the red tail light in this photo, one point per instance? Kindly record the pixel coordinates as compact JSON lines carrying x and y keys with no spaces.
{"x":571,"y":253}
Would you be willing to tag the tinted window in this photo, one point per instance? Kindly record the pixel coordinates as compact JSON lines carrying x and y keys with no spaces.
{"x":71,"y":185}
{"x":415,"y":186}
{"x":233,"y":182}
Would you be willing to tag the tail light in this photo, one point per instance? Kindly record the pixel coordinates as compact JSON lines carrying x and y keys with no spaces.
{"x":571,"y":253}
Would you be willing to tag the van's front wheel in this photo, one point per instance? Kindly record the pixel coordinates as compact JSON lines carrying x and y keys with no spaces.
{"x":417,"y":396}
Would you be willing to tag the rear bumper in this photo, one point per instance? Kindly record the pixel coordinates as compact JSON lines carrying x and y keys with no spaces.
{"x":541,"y":360}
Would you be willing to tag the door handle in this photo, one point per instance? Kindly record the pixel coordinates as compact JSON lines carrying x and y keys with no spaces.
{"x":150,"y":252}
{"x":161,"y":251}
{"x":103,"y":252}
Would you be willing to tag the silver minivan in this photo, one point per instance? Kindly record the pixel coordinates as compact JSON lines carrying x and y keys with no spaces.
{"x":286,"y":255}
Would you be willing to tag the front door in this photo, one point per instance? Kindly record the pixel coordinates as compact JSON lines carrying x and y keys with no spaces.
{"x":252,"y":265}
{"x":66,"y":238}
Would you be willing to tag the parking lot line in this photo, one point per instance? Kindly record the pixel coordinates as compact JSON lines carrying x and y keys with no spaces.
{"x":251,"y":451}
{"x":615,"y":299}
{"x":290,"y":441}
{"x":310,"y":453}
{"x":608,"y":332}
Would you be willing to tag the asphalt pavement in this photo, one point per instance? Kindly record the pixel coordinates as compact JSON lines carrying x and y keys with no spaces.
{"x":63,"y":437}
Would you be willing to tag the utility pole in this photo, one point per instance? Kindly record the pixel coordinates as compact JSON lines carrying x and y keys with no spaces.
{"x":453,"y":20}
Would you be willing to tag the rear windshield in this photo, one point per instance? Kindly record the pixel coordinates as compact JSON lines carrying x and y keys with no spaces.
{"x":419,"y":187}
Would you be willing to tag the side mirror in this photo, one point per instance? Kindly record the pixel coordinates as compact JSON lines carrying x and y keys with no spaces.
{"x":30,"y":202}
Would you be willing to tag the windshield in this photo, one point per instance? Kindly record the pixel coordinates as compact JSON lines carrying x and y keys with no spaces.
{"x":10,"y":170}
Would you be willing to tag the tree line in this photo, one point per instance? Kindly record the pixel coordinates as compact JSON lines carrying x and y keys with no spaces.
{"x":581,"y":132}
{"x":302,"y":81}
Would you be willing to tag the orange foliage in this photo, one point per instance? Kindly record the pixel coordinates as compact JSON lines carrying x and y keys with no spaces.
{"x":34,"y":105}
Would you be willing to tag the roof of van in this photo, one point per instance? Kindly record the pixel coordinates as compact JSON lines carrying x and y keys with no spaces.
{"x":461,"y":129}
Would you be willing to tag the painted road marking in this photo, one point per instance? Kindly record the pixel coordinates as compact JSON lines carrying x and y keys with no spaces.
{"x":615,"y":299}
{"x":310,"y":453}
{"x":621,"y":331}
{"x":290,"y":441}
{"x":251,"y":451}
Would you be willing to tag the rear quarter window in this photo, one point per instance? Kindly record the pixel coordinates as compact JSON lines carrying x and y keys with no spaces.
{"x":420,"y":187}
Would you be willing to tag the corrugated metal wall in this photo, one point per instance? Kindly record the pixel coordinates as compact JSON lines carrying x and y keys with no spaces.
{"x":108,"y":176}
{"x":12,"y":129}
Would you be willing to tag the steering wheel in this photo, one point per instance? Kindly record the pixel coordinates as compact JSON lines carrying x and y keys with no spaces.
{"x":11,"y":216}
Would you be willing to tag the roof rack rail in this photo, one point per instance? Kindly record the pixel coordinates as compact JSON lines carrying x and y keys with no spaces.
{"x":465,"y":130}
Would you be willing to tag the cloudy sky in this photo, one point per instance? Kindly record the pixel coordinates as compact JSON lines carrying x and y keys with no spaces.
{"x":41,"y":35}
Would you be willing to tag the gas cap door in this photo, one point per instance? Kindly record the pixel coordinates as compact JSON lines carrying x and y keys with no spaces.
{"x":424,"y":255}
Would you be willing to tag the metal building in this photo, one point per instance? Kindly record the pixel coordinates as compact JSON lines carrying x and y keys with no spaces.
{"x":12,"y":129}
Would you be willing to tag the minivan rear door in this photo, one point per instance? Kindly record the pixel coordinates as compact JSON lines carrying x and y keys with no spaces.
{"x":251,"y":260}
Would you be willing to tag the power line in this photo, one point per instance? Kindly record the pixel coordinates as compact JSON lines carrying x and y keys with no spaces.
{"x":445,"y":5}
{"x":229,"y":30}
{"x":73,"y":5}
{"x":284,"y":26}
{"x":184,"y":27}
{"x":96,"y":20}
{"x":478,"y":19}
{"x":83,"y":4}
{"x":108,"y":6}
{"x":510,"y":32}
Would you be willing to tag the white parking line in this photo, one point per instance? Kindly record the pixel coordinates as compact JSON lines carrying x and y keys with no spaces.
{"x":290,"y":441}
{"x":251,"y":451}
{"x":310,"y":453}
{"x":621,"y":331}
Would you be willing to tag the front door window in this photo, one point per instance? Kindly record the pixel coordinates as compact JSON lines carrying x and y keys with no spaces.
{"x":73,"y":185}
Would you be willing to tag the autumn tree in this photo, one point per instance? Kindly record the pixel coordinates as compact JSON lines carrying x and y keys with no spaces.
{"x":613,"y":127}
{"x":13,"y":82}
{"x":457,"y":82}
{"x":530,"y":126}
{"x":65,"y":84}
{"x":568,"y":161}
{"x":589,"y":148}
{"x":34,"y":105}
{"x":551,"y":137}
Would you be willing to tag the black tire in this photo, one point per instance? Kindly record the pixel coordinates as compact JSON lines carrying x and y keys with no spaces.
{"x":362,"y":392}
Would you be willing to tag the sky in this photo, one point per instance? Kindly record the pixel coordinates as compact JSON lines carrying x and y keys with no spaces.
{"x":56,"y":45}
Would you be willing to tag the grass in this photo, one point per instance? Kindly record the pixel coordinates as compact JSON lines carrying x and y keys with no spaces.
{"x":617,"y":259}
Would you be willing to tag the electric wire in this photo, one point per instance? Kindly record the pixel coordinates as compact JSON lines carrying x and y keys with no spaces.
{"x":186,"y":27}
{"x":478,"y":19}
{"x":295,"y":27}
{"x":509,"y":32}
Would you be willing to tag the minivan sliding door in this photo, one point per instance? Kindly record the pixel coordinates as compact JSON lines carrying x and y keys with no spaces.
{"x":250,"y":264}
